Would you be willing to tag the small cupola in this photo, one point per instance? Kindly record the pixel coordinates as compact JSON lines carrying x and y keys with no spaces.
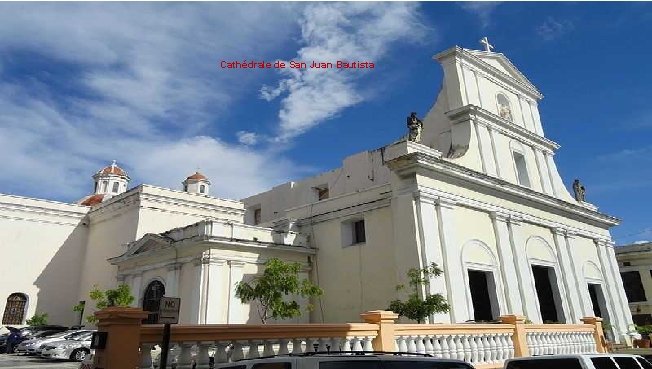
{"x":111,"y":180}
{"x":197,"y":183}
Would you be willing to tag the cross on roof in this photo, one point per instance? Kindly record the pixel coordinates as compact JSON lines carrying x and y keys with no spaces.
{"x":487,"y":45}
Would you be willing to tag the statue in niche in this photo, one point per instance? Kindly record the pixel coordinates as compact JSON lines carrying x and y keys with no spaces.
{"x":415,"y":125}
{"x":580,"y":191}
{"x":504,"y":111}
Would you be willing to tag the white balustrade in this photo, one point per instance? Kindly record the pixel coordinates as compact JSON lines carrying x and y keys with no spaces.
{"x":560,"y":343}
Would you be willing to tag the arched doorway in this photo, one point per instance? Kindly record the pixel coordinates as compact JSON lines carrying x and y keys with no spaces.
{"x":15,"y":309}
{"x":152,"y":299}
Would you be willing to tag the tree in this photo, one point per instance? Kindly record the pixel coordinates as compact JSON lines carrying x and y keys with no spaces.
{"x":415,"y":307}
{"x":279,"y":282}
{"x":38,"y":319}
{"x":120,"y":296}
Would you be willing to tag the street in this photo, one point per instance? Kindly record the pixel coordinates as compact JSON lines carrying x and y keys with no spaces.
{"x":32,"y":362}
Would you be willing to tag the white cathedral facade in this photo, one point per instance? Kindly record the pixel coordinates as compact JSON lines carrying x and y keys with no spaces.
{"x":478,"y":193}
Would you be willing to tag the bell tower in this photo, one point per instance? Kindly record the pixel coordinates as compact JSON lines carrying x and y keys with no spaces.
{"x":486,"y":118}
{"x":111,"y":180}
{"x":197,"y":183}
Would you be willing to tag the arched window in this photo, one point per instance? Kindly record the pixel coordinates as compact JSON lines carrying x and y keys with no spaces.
{"x":116,"y":185}
{"x":15,"y":309}
{"x":202,"y":189}
{"x":105,"y":186}
{"x":504,"y":110}
{"x":152,"y":299}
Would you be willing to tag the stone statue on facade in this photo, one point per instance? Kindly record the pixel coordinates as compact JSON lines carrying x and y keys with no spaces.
{"x":415,"y":125}
{"x":580,"y":191}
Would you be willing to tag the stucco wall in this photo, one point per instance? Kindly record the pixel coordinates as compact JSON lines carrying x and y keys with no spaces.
{"x":42,"y":248}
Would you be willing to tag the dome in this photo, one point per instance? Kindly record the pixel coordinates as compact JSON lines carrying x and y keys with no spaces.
{"x":198,"y":177}
{"x":113,"y":169}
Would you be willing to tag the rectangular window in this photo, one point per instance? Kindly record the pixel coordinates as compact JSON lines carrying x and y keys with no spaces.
{"x":627,"y":263}
{"x":633,"y":286}
{"x":521,"y":169}
{"x":358,"y":232}
{"x":257,"y":216}
{"x":115,"y":187}
{"x":322,"y":193}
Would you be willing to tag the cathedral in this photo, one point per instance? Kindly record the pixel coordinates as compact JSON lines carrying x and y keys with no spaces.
{"x":473,"y":187}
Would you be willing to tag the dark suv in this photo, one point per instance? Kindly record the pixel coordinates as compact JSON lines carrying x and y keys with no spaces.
{"x":347,"y":360}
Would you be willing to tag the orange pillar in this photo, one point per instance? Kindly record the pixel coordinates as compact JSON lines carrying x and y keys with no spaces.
{"x":122,"y":325}
{"x":519,"y":339}
{"x":598,"y":333}
{"x":384,"y":341}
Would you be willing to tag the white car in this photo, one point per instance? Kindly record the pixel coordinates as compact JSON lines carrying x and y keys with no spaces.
{"x":580,"y":361}
{"x":76,"y":348}
{"x":34,"y":346}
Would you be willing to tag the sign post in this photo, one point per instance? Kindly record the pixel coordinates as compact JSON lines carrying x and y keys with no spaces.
{"x":168,"y":313}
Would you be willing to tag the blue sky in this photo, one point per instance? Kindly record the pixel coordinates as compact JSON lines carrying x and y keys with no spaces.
{"x":84,"y":83}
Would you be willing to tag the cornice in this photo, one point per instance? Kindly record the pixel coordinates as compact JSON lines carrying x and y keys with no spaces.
{"x":460,"y":54}
{"x":37,"y":213}
{"x":425,"y":165}
{"x":501,"y":125}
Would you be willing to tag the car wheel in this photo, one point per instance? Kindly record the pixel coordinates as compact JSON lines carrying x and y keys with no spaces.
{"x":79,"y":355}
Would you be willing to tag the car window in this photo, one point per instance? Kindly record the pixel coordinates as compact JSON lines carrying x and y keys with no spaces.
{"x":627,"y":363}
{"x":422,"y":364}
{"x":347,"y":364}
{"x":603,"y":363}
{"x":644,"y":363}
{"x":272,"y":365}
{"x":545,"y":364}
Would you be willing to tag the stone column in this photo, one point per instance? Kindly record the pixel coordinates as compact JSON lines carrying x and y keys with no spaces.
{"x":236,"y":307}
{"x":519,"y":338}
{"x":431,"y":248}
{"x":384,"y":340}
{"x":215,"y":292}
{"x":526,"y":288}
{"x":452,"y":261}
{"x":569,"y":280}
{"x":507,"y":263}
{"x":172,"y":280}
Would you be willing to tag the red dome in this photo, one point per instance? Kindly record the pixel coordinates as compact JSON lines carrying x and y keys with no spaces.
{"x":198,"y":176}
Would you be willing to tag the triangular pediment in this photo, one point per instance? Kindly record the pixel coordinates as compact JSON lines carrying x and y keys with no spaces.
{"x":148,"y":242}
{"x":501,"y":63}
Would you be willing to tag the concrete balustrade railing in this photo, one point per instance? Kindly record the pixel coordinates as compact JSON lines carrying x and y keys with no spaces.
{"x":486,"y":346}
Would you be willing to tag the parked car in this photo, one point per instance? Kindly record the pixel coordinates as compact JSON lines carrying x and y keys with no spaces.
{"x":348,"y":360}
{"x":76,"y":348}
{"x":34,"y":346}
{"x":22,"y":346}
{"x":25,"y":333}
{"x":580,"y":361}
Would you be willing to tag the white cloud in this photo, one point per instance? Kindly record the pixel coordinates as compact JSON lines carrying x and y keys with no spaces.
{"x":146,"y":83}
{"x":552,"y":28}
{"x":482,"y":9}
{"x":247,"y":138}
{"x":331,"y":32}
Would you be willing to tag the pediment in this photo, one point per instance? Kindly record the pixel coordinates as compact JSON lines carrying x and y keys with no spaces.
{"x":148,"y":242}
{"x":502,"y":64}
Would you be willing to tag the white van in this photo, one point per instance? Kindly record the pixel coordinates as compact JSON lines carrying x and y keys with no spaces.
{"x":584,"y":361}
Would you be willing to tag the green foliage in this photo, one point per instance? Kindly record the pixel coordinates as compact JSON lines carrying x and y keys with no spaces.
{"x":38,"y":319}
{"x":644,"y":329}
{"x":415,"y":307}
{"x":279,"y":282}
{"x":120,"y":296}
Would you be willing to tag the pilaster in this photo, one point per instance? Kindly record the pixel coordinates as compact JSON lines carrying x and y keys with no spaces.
{"x":431,"y":247}
{"x":569,"y":280}
{"x":544,"y":173}
{"x":172,"y":280}
{"x":215,"y":291}
{"x":452,"y":261}
{"x":611,"y":259}
{"x":526,"y":287}
{"x":236,"y":307}
{"x":200,"y":266}
{"x":507,"y":263}
{"x":136,"y":286}
{"x":620,"y":308}
{"x":486,"y":149}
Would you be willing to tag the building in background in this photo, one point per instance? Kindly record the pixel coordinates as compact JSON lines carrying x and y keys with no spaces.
{"x":473,"y":187}
{"x":635,"y":262}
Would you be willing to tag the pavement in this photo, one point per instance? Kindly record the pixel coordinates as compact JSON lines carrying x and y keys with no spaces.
{"x":33,"y":362}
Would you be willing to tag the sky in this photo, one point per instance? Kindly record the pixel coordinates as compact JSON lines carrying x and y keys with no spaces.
{"x":82,"y":84}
